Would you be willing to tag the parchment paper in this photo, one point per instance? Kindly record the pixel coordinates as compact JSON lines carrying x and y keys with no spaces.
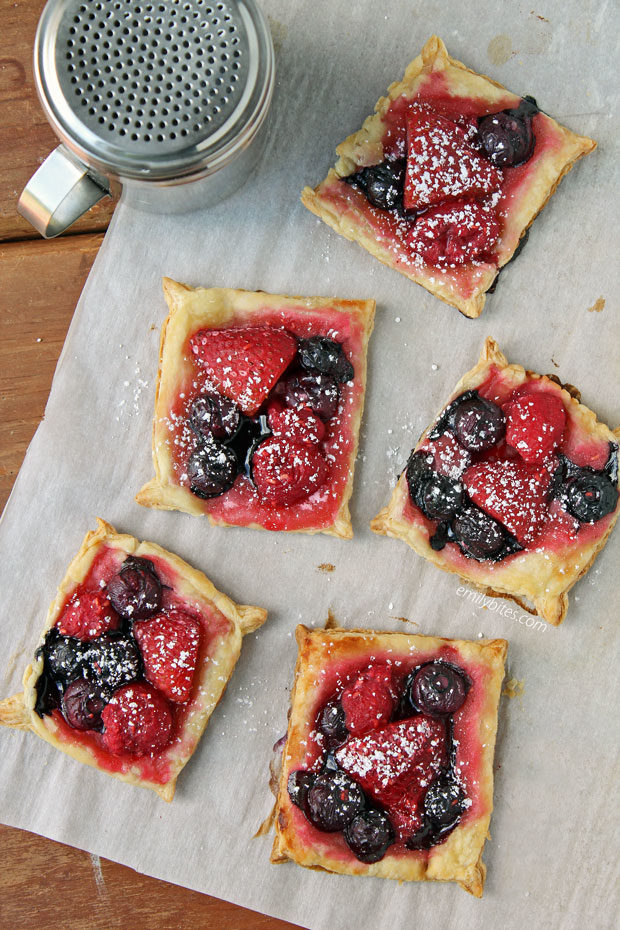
{"x":553,"y":856}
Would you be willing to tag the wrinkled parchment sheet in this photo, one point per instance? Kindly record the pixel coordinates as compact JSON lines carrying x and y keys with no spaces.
{"x":553,"y":855}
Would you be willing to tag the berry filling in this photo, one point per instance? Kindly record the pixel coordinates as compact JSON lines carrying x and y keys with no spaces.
{"x":492,"y":477}
{"x":387,"y":772}
{"x":127,"y":688}
{"x":445,"y":200}
{"x":445,"y":193}
{"x":261,"y":425}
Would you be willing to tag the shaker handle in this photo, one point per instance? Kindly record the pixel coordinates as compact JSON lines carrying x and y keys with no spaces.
{"x":59,"y":192}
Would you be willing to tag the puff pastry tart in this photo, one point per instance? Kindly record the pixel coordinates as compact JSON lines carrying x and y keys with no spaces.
{"x":136,"y":653}
{"x":514,"y":487}
{"x":443,"y":181}
{"x":258,"y":408}
{"x":388,"y":764}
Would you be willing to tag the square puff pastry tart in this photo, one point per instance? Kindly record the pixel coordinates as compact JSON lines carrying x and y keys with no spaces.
{"x":197,"y":314}
{"x":409,"y":751}
{"x":493,"y":202}
{"x":163,"y":679}
{"x":548,"y":478}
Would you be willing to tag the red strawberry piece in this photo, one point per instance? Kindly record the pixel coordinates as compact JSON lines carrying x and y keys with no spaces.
{"x":87,"y":616}
{"x":454,"y":233}
{"x":535,"y":424}
{"x":369,"y":701}
{"x":137,"y":720}
{"x":449,"y":456}
{"x":396,"y":764}
{"x":513,"y":492}
{"x":299,"y":424}
{"x":285,"y":472}
{"x":440,"y":164}
{"x":244,"y":364}
{"x":169,"y":645}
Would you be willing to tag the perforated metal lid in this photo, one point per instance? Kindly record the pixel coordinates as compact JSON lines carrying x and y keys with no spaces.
{"x":154,"y":90}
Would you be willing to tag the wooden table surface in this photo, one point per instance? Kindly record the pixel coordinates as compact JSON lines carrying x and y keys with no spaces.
{"x":43,"y":884}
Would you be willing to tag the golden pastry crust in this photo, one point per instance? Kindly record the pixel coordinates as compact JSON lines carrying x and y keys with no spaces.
{"x":364,"y":148}
{"x":192,"y":309}
{"x":459,"y":857}
{"x":537,"y":580}
{"x":19,"y":711}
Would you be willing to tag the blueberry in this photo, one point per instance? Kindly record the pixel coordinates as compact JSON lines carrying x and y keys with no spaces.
{"x":112,"y":661}
{"x":212,"y":469}
{"x":444,"y":802}
{"x":478,"y":424}
{"x":297,"y":786}
{"x":506,"y":137}
{"x":382,"y":184}
{"x":591,"y":496}
{"x":317,"y":391}
{"x":64,"y":656}
{"x":333,"y":801}
{"x":438,"y":689}
{"x":368,"y":835}
{"x":331,"y":723}
{"x":440,"y":497}
{"x":82,"y":704}
{"x":135,"y":592}
{"x":478,"y":534}
{"x":327,"y":356}
{"x":437,"y":496}
{"x":212,"y":415}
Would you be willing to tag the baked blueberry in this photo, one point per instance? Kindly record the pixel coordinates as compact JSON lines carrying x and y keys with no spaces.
{"x":64,"y":656}
{"x":591,"y":496}
{"x":438,"y":689}
{"x":478,"y":423}
{"x":332,"y":722}
{"x":439,"y":497}
{"x":214,"y":416}
{"x":297,"y":786}
{"x":507,"y":138}
{"x":368,"y":835}
{"x":382,"y":184}
{"x":478,"y":534}
{"x":333,"y":801}
{"x":212,"y":469}
{"x":317,"y":391}
{"x":112,"y":661}
{"x":135,"y":592}
{"x":81,"y":705}
{"x":444,"y":802}
{"x":327,"y":356}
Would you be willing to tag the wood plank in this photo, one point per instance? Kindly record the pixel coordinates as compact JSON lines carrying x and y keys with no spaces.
{"x":65,"y":887}
{"x":41,"y":284}
{"x":26,"y":137}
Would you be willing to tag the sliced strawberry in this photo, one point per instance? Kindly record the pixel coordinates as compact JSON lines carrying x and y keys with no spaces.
{"x":169,"y":645}
{"x":535,"y":424}
{"x":137,"y":720}
{"x":245,"y":363}
{"x":454,"y":233}
{"x":285,"y":472}
{"x":87,"y":616}
{"x":440,"y":164}
{"x":513,"y":492}
{"x":449,"y":456}
{"x":369,"y":702}
{"x":396,"y":764}
{"x":299,"y":424}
